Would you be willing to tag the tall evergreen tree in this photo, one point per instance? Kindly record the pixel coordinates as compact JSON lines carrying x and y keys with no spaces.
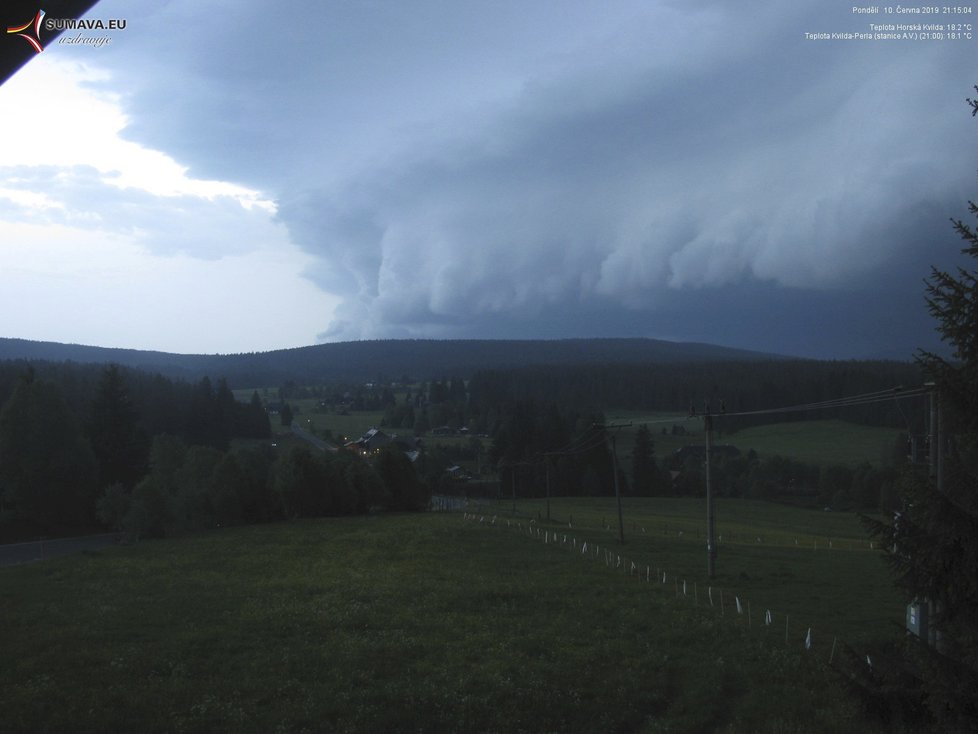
{"x":934,"y":545}
{"x":120,"y":447}
{"x":47,"y":468}
{"x":645,"y":473}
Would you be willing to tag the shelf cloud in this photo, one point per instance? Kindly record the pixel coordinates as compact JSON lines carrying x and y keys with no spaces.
{"x":555,"y":169}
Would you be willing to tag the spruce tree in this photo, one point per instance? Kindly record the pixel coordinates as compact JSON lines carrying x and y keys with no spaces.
{"x":933,"y":546}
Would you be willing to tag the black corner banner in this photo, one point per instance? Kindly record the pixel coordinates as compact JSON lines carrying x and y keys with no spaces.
{"x":22,"y":32}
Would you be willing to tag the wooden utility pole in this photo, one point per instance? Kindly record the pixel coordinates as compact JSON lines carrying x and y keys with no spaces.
{"x":711,"y":547}
{"x":614,"y":466}
{"x":514,"y":488}
{"x":548,"y":488}
{"x":935,"y":462}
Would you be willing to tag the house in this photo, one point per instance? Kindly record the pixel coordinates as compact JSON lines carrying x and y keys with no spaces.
{"x":457,"y":472}
{"x":375,"y":439}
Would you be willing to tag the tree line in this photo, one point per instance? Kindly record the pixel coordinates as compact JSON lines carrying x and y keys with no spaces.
{"x":740,"y":386}
{"x":482,"y":403}
{"x":539,"y":448}
{"x":85,"y":446}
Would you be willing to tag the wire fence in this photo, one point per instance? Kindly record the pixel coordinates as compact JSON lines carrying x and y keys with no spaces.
{"x":725,"y":603}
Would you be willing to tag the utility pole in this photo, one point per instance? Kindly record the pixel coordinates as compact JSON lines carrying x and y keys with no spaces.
{"x":935,"y":462}
{"x":933,"y":439}
{"x":614,"y":466}
{"x":547,"y":464}
{"x":711,"y":547}
{"x":514,"y":489}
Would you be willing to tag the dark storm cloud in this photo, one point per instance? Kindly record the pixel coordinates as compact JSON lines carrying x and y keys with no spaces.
{"x":684,"y":171}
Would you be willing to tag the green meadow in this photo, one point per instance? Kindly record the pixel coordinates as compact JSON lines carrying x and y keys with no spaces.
{"x":819,"y":442}
{"x":443,"y":623}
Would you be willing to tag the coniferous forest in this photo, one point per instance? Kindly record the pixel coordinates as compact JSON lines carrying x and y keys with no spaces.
{"x":86,"y":447}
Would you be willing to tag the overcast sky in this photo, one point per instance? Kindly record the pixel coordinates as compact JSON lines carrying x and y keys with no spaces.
{"x":232,"y":177}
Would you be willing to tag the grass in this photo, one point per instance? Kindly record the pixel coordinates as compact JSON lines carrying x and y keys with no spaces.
{"x":401,"y":623}
{"x":351,"y":426}
{"x":820,"y":442}
{"x":817,"y":568}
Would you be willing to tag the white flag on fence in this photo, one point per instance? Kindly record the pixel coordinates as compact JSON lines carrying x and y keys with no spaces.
{"x":808,"y":639}
{"x":663,"y":577}
{"x":684,"y":587}
{"x":584,"y":547}
{"x":709,"y":593}
{"x":740,"y":609}
{"x":767,"y":617}
{"x":869,"y":662}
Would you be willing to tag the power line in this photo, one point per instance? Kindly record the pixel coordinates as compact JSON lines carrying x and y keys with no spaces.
{"x":880,"y":396}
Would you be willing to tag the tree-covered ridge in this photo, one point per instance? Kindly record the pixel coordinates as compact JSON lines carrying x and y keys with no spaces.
{"x":379,"y":360}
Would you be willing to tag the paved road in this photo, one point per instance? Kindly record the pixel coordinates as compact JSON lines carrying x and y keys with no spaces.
{"x":314,"y":440}
{"x":12,"y":554}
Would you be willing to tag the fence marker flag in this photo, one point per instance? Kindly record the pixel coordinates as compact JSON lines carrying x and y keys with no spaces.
{"x":684,"y":587}
{"x":584,"y":547}
{"x":808,"y":639}
{"x":767,"y":617}
{"x":869,"y":662}
{"x":632,"y":569}
{"x":740,"y":609}
{"x":663,"y":577}
{"x":709,"y":593}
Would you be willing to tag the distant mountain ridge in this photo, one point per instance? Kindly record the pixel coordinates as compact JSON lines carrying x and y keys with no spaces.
{"x":365,"y":361}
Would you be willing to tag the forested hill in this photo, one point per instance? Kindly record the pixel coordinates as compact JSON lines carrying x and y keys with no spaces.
{"x":383,"y":360}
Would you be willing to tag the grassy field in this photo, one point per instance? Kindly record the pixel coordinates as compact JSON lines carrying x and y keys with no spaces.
{"x":822,"y":442}
{"x":434,"y":623}
{"x":818,"y":568}
{"x":351,"y":426}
